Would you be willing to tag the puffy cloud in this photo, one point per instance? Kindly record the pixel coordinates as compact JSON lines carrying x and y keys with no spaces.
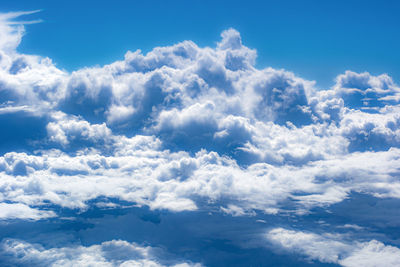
{"x":88,"y":93}
{"x":373,"y":253}
{"x":184,"y":122}
{"x":64,"y":130}
{"x":177,"y":56}
{"x":377,"y":132}
{"x":139,"y":171}
{"x":365,"y":91}
{"x":236,"y":211}
{"x":186,"y":128}
{"x":110,"y":253}
{"x":331,"y":248}
{"x":21,"y":211}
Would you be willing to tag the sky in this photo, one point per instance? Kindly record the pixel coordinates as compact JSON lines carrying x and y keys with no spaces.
{"x":315,"y":39}
{"x":201,"y":134}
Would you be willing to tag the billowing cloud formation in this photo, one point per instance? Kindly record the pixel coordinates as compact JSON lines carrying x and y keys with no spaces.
{"x":331,"y":248}
{"x":111,"y":253}
{"x":184,"y":123}
{"x":186,"y":128}
{"x":137,"y":172}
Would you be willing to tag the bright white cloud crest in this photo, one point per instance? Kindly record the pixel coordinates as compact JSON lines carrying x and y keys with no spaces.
{"x":332,"y":249}
{"x":183,"y":123}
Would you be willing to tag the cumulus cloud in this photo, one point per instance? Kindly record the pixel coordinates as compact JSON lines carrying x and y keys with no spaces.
{"x":189,"y":128}
{"x":365,"y":91}
{"x":184,"y":122}
{"x":110,"y":253}
{"x":65,"y":129}
{"x":140,"y":172}
{"x":21,"y":211}
{"x":331,"y":248}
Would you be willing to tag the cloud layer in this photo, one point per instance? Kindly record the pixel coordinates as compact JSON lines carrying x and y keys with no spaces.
{"x":111,"y":253}
{"x":187,"y":127}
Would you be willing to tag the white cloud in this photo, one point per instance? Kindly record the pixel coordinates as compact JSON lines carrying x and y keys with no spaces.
{"x":332,"y":248}
{"x":11,"y":31}
{"x":110,"y":253}
{"x":160,"y":179}
{"x":181,"y":122}
{"x":236,"y":211}
{"x":373,"y":253}
{"x":186,"y":123}
{"x":21,"y":211}
{"x":65,"y":129}
{"x":363,"y":90}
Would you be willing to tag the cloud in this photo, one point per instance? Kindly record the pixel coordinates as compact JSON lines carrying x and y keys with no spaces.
{"x":11,"y":31}
{"x":109,"y":253}
{"x":21,"y":211}
{"x":331,"y":248}
{"x":66,"y":129}
{"x":365,"y":91}
{"x":373,"y":253}
{"x":185,"y":128}
{"x":184,"y":122}
{"x":139,"y":171}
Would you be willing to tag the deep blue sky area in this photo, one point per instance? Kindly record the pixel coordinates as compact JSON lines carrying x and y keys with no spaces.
{"x":315,"y":39}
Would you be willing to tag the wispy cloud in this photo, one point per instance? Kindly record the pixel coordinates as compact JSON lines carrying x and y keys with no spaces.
{"x":8,"y":17}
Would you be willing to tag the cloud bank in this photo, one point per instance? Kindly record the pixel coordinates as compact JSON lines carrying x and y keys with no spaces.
{"x":111,"y":253}
{"x":185,"y":127}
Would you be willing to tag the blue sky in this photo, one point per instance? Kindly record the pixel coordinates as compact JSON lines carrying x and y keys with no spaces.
{"x":315,"y":39}
{"x":212,"y":146}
